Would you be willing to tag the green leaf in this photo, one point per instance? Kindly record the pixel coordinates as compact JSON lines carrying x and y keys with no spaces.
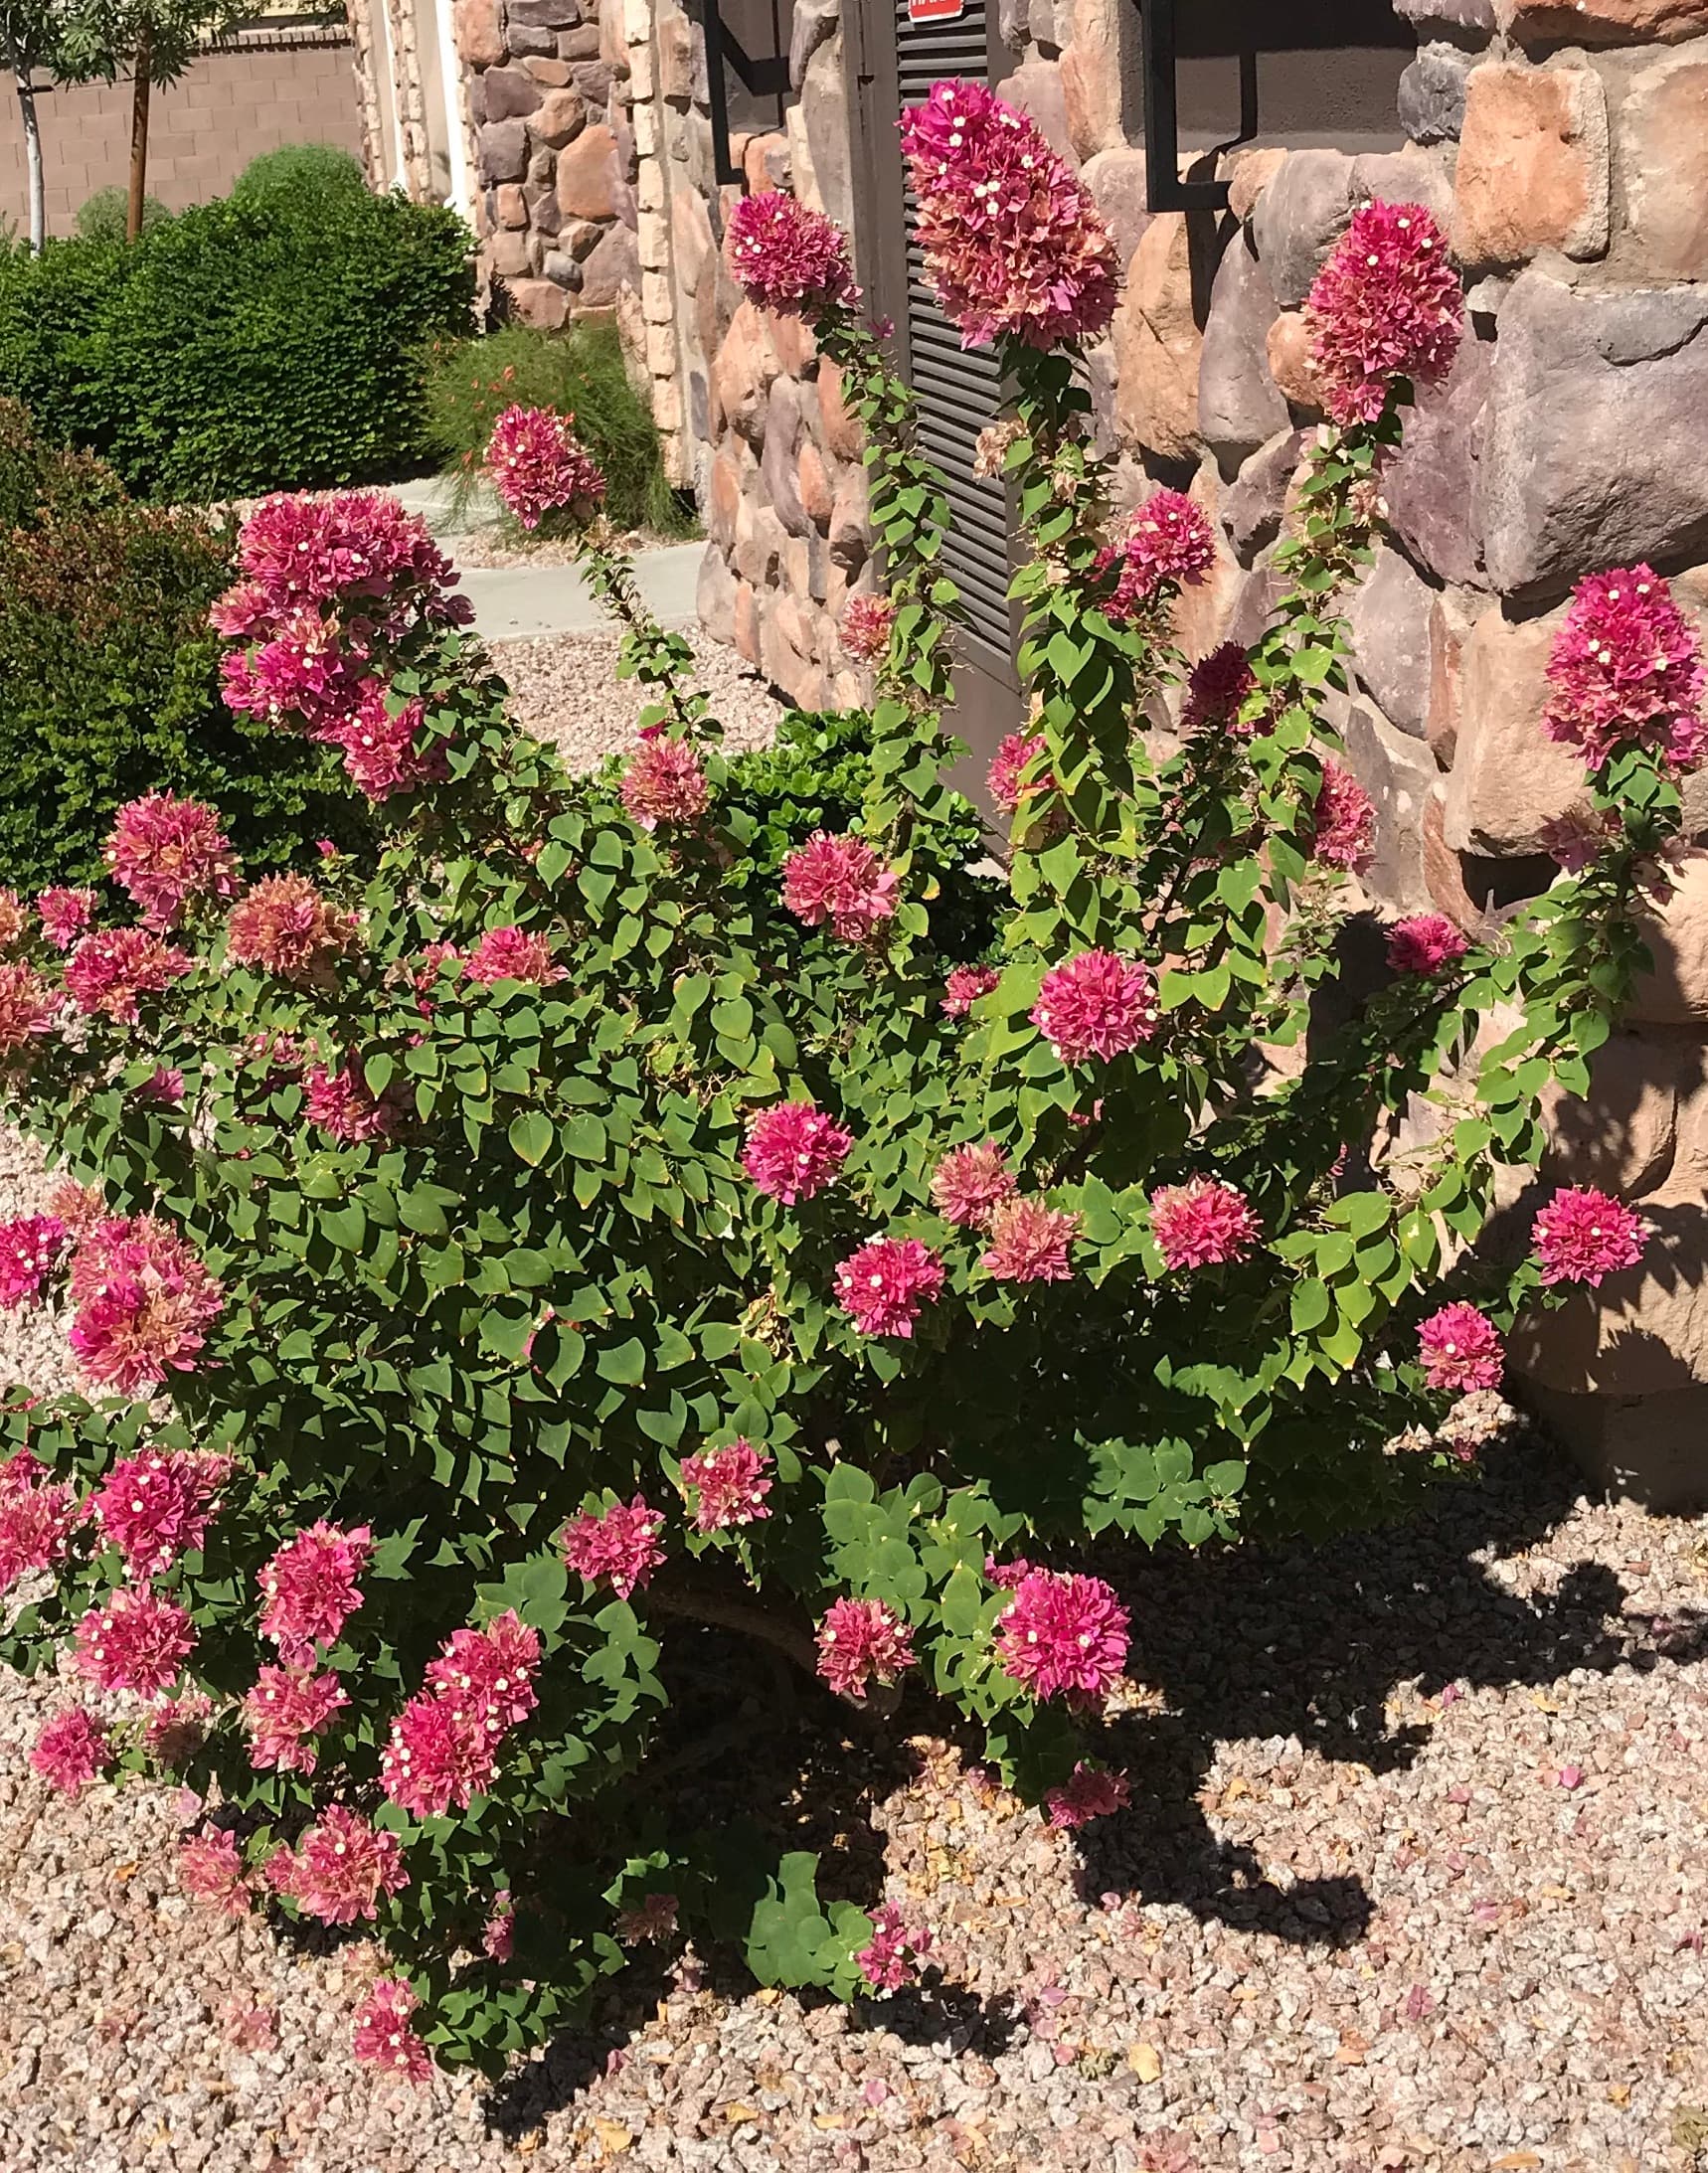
{"x":531,"y":1136}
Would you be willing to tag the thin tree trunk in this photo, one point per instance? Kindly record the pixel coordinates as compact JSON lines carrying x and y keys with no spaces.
{"x":33,"y":162}
{"x":139,"y":138}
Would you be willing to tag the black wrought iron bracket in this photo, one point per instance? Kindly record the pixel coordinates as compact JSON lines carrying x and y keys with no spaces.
{"x":767,"y":78}
{"x":1164,"y":189}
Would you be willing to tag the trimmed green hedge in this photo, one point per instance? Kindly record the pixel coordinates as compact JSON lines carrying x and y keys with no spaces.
{"x":109,"y":679}
{"x":243,"y":346}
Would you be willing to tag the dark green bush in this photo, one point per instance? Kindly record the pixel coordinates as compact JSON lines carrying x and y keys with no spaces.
{"x":108,"y":678}
{"x":312,"y":169}
{"x":103,"y":217}
{"x":579,"y":372}
{"x":241,"y":347}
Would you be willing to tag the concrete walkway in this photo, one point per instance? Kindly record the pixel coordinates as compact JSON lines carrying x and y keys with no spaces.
{"x":515,"y":602}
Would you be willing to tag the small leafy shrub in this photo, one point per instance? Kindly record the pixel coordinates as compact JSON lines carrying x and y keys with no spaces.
{"x":103,"y":217}
{"x":241,"y":347}
{"x":579,"y":372}
{"x":564,"y":1238}
{"x":314,"y":170}
{"x":109,"y":677}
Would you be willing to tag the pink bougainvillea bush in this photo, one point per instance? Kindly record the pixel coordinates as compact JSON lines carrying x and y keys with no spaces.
{"x":485,"y":1273}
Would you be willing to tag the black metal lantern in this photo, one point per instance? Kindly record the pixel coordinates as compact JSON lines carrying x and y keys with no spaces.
{"x":726,"y":23}
{"x":1241,"y":29}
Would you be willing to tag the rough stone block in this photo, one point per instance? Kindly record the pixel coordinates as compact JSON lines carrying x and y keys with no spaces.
{"x":1240,"y":406}
{"x":1035,"y":88}
{"x":611,"y":270}
{"x":851,"y":522}
{"x":1399,"y":774}
{"x":1430,"y":487}
{"x":825,"y":121}
{"x":503,"y":150}
{"x":1100,"y":86}
{"x":845,"y":433}
{"x":1592,"y":432}
{"x":1298,"y":219}
{"x":715,"y":595}
{"x":511,"y":207}
{"x":1252,"y":504}
{"x":562,"y":115}
{"x":1388,"y":614}
{"x":1157,"y":344}
{"x":742,"y":371}
{"x":508,"y":93}
{"x":543,"y":14}
{"x":812,"y":25}
{"x":587,"y":175}
{"x":1532,"y":169}
{"x":1473,"y":16}
{"x":539,"y":302}
{"x":1116,"y":181}
{"x":1287,"y":350}
{"x":1432,"y":93}
{"x":1509,"y":782}
{"x":1600,"y":22}
{"x":1663,"y":160}
{"x":478,"y":32}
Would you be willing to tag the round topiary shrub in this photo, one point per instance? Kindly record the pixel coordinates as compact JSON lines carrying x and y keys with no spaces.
{"x":565,"y":1238}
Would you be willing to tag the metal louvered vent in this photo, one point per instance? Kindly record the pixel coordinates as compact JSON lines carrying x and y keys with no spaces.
{"x":958,"y":390}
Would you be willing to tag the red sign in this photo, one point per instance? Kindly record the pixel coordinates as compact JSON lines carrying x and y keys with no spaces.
{"x":936,"y":11}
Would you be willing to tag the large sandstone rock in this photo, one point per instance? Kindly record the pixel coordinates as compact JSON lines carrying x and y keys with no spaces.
{"x":1388,"y":615}
{"x":1430,"y":487}
{"x":1240,"y":407}
{"x":1252,"y":503}
{"x":1410,"y":176}
{"x":1117,"y":185}
{"x":1035,"y":88}
{"x":1593,"y":431}
{"x":539,"y":302}
{"x":508,"y":93}
{"x":1101,"y":86}
{"x":1510,"y":780}
{"x":1676,"y":992}
{"x":1399,"y":776}
{"x":1201,"y":611}
{"x":777,"y":462}
{"x":560,"y":116}
{"x":1454,"y":612}
{"x":812,"y":25}
{"x":824,"y":123}
{"x":503,"y":150}
{"x":612,"y":269}
{"x":851,"y":522}
{"x":587,"y":175}
{"x":845,"y":433}
{"x":1248,"y":174}
{"x":726,"y":485}
{"x":1157,"y":344}
{"x":478,"y":31}
{"x":691,"y":237}
{"x":1299,"y":218}
{"x":1287,"y":351}
{"x":742,"y":375}
{"x":1600,"y":22}
{"x":1433,"y":93}
{"x":1664,"y":158}
{"x":1622,"y":1137}
{"x":715,"y":595}
{"x":1532,"y":169}
{"x":785,"y":652}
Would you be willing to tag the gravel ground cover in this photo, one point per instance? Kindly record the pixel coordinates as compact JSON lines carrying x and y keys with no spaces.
{"x":565,"y":688}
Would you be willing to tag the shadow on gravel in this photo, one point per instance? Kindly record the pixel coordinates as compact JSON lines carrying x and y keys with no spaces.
{"x":1251,"y":1643}
{"x":1312,"y":1643}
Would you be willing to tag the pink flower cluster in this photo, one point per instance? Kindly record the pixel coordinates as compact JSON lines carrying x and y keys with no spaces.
{"x":664,"y":783}
{"x":343,"y":1103}
{"x":165,"y":851}
{"x":1625,"y":669}
{"x":26,"y":1011}
{"x":155,"y":1507}
{"x":728,"y":1485}
{"x":73,"y":1748}
{"x":1030,"y":1243}
{"x":1091,"y":1792}
{"x":839,"y":880}
{"x":1386,"y":305}
{"x":1425,"y":944}
{"x":211,"y":1871}
{"x":512,"y":954}
{"x":1461,"y":1349}
{"x":963,"y":988}
{"x":794,"y":1150}
{"x":339,"y":1868}
{"x":1582,"y":1235}
{"x":1343,"y":832}
{"x":1203,"y":1223}
{"x":883,"y":1284}
{"x":37,"y":1517}
{"x":444,"y":1743}
{"x":1217,"y":688}
{"x":330,"y":585}
{"x":309,"y":1588}
{"x":1170,"y":543}
{"x":137,"y":1641}
{"x":110,"y":969}
{"x":862,"y":1642}
{"x":285,"y":926}
{"x":284,"y":1712}
{"x":1013,"y":244}
{"x":386,"y":2038}
{"x":617,"y":1546}
{"x":64,"y":915}
{"x":1096,"y":1004}
{"x":31,"y":1248}
{"x":143,"y":1300}
{"x":1062,"y":1635}
{"x":891,"y":1957}
{"x":866,"y":624}
{"x":1008,"y":765}
{"x":970,"y":1183}
{"x":538,"y":464}
{"x":787,"y":259}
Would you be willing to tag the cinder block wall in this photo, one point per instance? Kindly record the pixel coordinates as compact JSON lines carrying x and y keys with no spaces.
{"x":267,"y":89}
